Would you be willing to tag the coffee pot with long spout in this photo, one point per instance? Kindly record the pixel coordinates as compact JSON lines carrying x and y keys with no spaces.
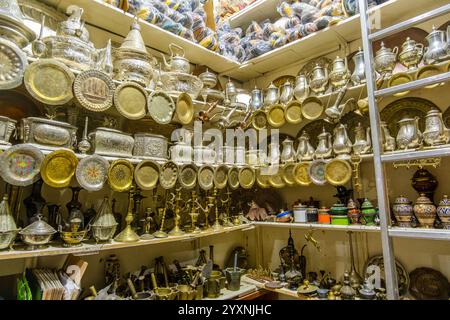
{"x":324,"y":148}
{"x":342,"y":146}
{"x":363,"y":142}
{"x":305,"y":151}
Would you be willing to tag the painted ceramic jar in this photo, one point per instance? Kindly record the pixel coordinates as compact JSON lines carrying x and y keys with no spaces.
{"x":425,"y":211}
{"x":312,"y":214}
{"x":324,"y":216}
{"x":403,"y":211}
{"x":443,"y":211}
{"x":354,"y":214}
{"x":368,"y":212}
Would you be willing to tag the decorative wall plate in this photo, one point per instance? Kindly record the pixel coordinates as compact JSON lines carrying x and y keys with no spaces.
{"x":130,"y":100}
{"x":92,"y":172}
{"x":20,"y":165}
{"x":247,"y":177}
{"x":184,"y":108}
{"x":301,"y":174}
{"x":161,"y":107}
{"x":275,"y":116}
{"x":288,"y":174}
{"x":58,"y":168}
{"x":221,"y":176}
{"x":233,"y":178}
{"x":13,"y":61}
{"x":428,"y":71}
{"x":276,"y":181}
{"x":262,"y":180}
{"x":206,"y":177}
{"x":168,"y":175}
{"x":397,"y":79}
{"x":259,"y":120}
{"x":317,"y":172}
{"x":293,"y":112}
{"x":94,"y":90}
{"x":312,"y":108}
{"x":338,"y":172}
{"x":146,"y":174}
{"x":188,"y":176}
{"x":120,"y":175}
{"x":429,"y":284}
{"x":402,"y":274}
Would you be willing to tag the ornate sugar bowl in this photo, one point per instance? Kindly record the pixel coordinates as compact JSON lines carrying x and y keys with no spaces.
{"x":435,"y":131}
{"x":272,"y":95}
{"x":131,"y":60}
{"x":8,"y":227}
{"x":359,"y":74}
{"x":37,"y":234}
{"x":353,"y":213}
{"x":342,"y":146}
{"x":318,"y":79}
{"x":424,"y":182}
{"x":403,"y":211}
{"x":301,"y":89}
{"x":324,"y":148}
{"x":339,"y":74}
{"x":305,"y":151}
{"x":425,"y":211}
{"x":437,"y":49}
{"x":7,"y":127}
{"x":288,"y":152}
{"x":385,"y":60}
{"x":411,"y":54}
{"x":104,"y":224}
{"x":368,"y":212}
{"x":409,"y":135}
{"x":443,"y":211}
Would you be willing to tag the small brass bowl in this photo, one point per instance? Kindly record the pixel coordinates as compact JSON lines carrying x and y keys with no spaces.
{"x":71,"y":238}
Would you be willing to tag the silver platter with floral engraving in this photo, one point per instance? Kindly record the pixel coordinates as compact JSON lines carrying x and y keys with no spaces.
{"x":13,"y":62}
{"x":20,"y":165}
{"x":92,"y":172}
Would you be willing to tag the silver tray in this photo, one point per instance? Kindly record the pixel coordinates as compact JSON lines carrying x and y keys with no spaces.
{"x":13,"y":61}
{"x":206,"y":177}
{"x":317,"y":172}
{"x":161,"y":107}
{"x":92,"y":172}
{"x":20,"y":165}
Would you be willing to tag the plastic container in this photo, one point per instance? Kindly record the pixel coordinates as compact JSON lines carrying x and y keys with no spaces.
{"x":300,"y":213}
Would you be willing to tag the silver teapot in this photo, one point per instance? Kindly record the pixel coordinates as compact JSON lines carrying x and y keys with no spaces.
{"x":342,"y":146}
{"x":301,"y":90}
{"x":178,"y":63}
{"x":230,"y":92}
{"x":287,"y":93}
{"x":272,"y":95}
{"x":409,"y":135}
{"x":438,"y":46}
{"x":318,"y":79}
{"x":359,"y":74}
{"x":256,"y":101}
{"x":411,"y":54}
{"x":324,"y":148}
{"x":288,"y":153}
{"x":363,"y":142}
{"x":339,"y":74}
{"x":435,"y":131}
{"x":385,"y":60}
{"x":305,"y":151}
{"x":388,"y":141}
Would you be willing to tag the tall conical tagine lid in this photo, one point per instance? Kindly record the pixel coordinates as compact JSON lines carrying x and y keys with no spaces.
{"x":7,"y":222}
{"x":104,"y":217}
{"x":134,"y":41}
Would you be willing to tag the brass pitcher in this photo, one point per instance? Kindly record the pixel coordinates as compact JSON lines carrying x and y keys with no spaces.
{"x":409,"y":135}
{"x":318,"y":79}
{"x":324,"y":148}
{"x":342,"y":146}
{"x":340,"y":74}
{"x":359,"y":74}
{"x":435,"y":131}
{"x":301,"y":90}
{"x":305,"y":151}
{"x":387,"y":140}
{"x":363,"y":142}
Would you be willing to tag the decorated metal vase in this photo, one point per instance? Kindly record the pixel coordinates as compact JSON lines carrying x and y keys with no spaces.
{"x":425,"y":211}
{"x":403,"y":211}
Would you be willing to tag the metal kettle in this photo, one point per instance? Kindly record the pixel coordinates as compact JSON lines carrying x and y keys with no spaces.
{"x":324,"y":148}
{"x":301,"y":90}
{"x":339,"y":74}
{"x":318,"y":79}
{"x":342,"y":146}
{"x":363,"y":142}
{"x":178,"y":63}
{"x":359,"y":74}
{"x":438,"y":46}
{"x":272,"y":95}
{"x":409,"y":135}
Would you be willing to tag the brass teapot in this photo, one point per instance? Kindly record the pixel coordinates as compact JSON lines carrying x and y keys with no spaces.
{"x":305,"y":151}
{"x":342,"y":146}
{"x":435,"y":131}
{"x":324,"y":148}
{"x":411,"y":54}
{"x":318,"y":79}
{"x":385,"y":60}
{"x":340,"y":74}
{"x":438,"y":46}
{"x":178,"y":63}
{"x":363,"y":142}
{"x":409,"y":135}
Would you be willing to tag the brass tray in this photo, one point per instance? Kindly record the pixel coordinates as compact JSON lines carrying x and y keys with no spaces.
{"x":58,"y":168}
{"x":49,"y":81}
{"x":275,"y":116}
{"x":338,"y":172}
{"x":120,"y":175}
{"x":161,"y":107}
{"x":262,"y":180}
{"x":247,"y":177}
{"x":428,"y":71}
{"x":20,"y":165}
{"x":288,"y":174}
{"x":317,"y":172}
{"x":92,"y":172}
{"x":301,"y":174}
{"x":312,"y":108}
{"x":130,"y":100}
{"x":94,"y":90}
{"x":233,"y":178}
{"x":221,"y":177}
{"x":188,"y":176}
{"x":168,"y":175}
{"x":397,"y":79}
{"x":293,"y":112}
{"x":13,"y":61}
{"x":276,"y":180}
{"x":184,"y":108}
{"x":206,"y":177}
{"x":259,"y":120}
{"x":146,"y":174}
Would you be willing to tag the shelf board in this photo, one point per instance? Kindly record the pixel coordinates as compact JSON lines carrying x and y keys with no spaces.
{"x":436,"y":152}
{"x":257,"y":11}
{"x":90,"y":248}
{"x":418,"y":233}
{"x":315,"y":226}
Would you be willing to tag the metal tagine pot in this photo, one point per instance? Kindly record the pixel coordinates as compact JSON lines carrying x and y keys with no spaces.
{"x":48,"y":132}
{"x":111,"y":142}
{"x":37,"y":234}
{"x":104,"y":224}
{"x":8,"y":227}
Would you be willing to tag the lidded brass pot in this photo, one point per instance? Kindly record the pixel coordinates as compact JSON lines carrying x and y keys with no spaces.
{"x":385,"y":60}
{"x":411,"y":54}
{"x":37,"y":234}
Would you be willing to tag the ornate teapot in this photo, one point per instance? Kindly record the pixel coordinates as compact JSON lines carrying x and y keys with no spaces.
{"x":318,"y":79}
{"x":385,"y":60}
{"x":74,"y":26}
{"x":301,"y":90}
{"x":411,"y":54}
{"x":409,"y":135}
{"x":359,"y":74}
{"x":256,"y":101}
{"x":387,"y":139}
{"x":362,"y":140}
{"x":272,"y":95}
{"x":305,"y":151}
{"x":435,"y":131}
{"x":342,"y":146}
{"x":288,"y":153}
{"x":287,"y":92}
{"x":437,"y":49}
{"x":340,"y":74}
{"x":324,"y":148}
{"x":178,"y":63}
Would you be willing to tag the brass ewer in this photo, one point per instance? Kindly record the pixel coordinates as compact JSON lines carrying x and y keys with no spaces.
{"x":128,"y":234}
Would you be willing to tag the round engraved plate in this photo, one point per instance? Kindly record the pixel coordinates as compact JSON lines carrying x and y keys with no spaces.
{"x":130,"y":100}
{"x":120,"y":175}
{"x":221,"y":177}
{"x":206,"y":177}
{"x":94,"y":90}
{"x":168,"y":175}
{"x":338,"y":172}
{"x":246,"y":177}
{"x":301,"y":174}
{"x":188,"y":176}
{"x":146,"y":174}
{"x":13,"y":62}
{"x":20,"y":165}
{"x":58,"y":168}
{"x":92,"y":172}
{"x":233,"y":178}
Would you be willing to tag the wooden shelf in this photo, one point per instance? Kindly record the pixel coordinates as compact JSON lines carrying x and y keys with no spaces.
{"x":427,"y":152}
{"x":315,"y":226}
{"x":257,"y":11}
{"x":420,"y":233}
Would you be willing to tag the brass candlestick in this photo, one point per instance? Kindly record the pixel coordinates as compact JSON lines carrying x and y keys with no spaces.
{"x":227,"y":204}
{"x":217,"y":226}
{"x":128,"y":234}
{"x":176,"y":231}
{"x":161,"y":233}
{"x":194,"y":212}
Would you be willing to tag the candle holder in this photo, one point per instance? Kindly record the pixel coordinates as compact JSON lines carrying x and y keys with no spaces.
{"x":128,"y":234}
{"x":175,"y":203}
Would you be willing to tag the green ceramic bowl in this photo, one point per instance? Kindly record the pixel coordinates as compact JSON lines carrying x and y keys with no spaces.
{"x":340,"y":220}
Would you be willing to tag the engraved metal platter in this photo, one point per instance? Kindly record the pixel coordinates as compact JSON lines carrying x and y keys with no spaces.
{"x":233,"y":178}
{"x":259,"y":120}
{"x":92,"y":172}
{"x":185,"y":108}
{"x":338,"y":172}
{"x":275,"y":116}
{"x":398,"y":79}
{"x":130,"y":100}
{"x":58,"y":168}
{"x":146,"y":174}
{"x":221,"y":177}
{"x":262,"y":180}
{"x":276,"y":180}
{"x":20,"y":165}
{"x":247,"y":177}
{"x":428,"y":71}
{"x":168,"y":175}
{"x":120,"y":175}
{"x":13,"y":62}
{"x":312,"y":108}
{"x":94,"y":90}
{"x":402,"y":274}
{"x":49,"y":81}
{"x":293,"y":112}
{"x":288,"y":174}
{"x":317,"y":172}
{"x":301,"y":174}
{"x":161,"y":107}
{"x":206,"y":177}
{"x":188,"y":176}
